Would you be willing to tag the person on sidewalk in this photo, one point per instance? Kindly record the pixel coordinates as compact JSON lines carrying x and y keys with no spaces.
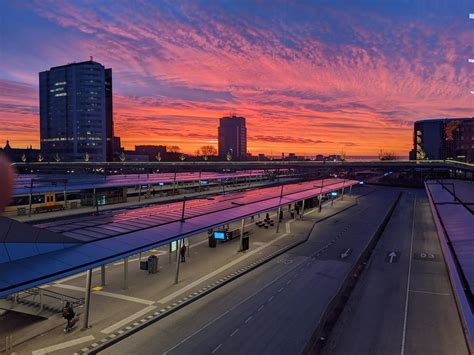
{"x":69,"y":315}
{"x":183,"y":253}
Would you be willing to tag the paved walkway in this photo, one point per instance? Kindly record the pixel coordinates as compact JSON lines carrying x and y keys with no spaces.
{"x":112,"y":307}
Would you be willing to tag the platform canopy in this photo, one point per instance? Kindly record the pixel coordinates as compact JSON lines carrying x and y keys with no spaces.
{"x":454,"y":203}
{"x":61,"y":182}
{"x":88,"y":242}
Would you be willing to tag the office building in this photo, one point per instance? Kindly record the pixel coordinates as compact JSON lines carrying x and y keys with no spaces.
{"x":440,"y":139}
{"x":232,"y":137}
{"x":76,"y":115}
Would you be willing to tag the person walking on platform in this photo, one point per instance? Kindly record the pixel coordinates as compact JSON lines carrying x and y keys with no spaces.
{"x":183,"y":253}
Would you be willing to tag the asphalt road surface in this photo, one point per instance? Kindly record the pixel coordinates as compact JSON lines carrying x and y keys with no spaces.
{"x":405,"y":306}
{"x":275,"y":308}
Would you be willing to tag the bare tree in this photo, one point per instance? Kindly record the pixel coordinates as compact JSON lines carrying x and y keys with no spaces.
{"x":387,"y":155}
{"x":173,"y":149}
{"x":208,"y":150}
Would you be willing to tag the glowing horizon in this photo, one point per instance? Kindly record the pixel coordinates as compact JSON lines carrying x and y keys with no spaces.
{"x":311,"y":79}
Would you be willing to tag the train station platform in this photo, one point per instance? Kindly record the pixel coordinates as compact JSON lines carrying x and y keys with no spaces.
{"x":114,"y":308}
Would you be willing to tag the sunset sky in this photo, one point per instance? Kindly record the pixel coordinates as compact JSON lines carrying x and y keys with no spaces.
{"x":310,"y":76}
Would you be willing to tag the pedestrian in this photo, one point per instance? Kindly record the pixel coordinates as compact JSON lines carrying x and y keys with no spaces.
{"x":69,"y":315}
{"x":267,"y":217}
{"x":289,"y":207}
{"x":153,"y":192}
{"x":281,"y":215}
{"x":183,"y":253}
{"x":292,"y":213}
{"x":252,"y":219}
{"x":297,"y":208}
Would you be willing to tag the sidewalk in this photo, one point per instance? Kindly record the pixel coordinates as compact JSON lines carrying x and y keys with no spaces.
{"x":113,"y":309}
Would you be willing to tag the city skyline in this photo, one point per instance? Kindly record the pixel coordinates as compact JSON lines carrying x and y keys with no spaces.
{"x":308,"y":79}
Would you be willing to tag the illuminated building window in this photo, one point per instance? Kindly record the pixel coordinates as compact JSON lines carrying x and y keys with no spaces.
{"x":61,"y":94}
{"x":60,"y":83}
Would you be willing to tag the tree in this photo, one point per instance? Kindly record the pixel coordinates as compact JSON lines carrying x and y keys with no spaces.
{"x":57,"y":158}
{"x":229,"y":156}
{"x":87,"y":157}
{"x":387,"y":155}
{"x":182,"y":157}
{"x":40,"y":157}
{"x":158,"y":156}
{"x":208,"y":150}
{"x":173,"y":149}
{"x":122,"y":157}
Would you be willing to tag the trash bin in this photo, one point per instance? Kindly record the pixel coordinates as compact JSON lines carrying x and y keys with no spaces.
{"x":245,"y":242}
{"x":152,"y":264}
{"x":144,"y":265}
{"x":212,"y":242}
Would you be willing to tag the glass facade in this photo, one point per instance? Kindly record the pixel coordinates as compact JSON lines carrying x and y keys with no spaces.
{"x":232,"y":134}
{"x":442,"y":139}
{"x":76,"y":112}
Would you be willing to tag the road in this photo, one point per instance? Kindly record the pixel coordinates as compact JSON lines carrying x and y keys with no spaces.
{"x":274,"y":309}
{"x":407,"y":306}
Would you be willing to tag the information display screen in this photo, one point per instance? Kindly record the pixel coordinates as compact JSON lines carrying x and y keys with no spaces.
{"x":219,"y":235}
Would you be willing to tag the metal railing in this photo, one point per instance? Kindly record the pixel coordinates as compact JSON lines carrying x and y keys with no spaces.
{"x":37,"y":296}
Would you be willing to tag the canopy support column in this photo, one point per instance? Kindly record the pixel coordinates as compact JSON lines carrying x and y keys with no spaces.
{"x":87,"y":300}
{"x":241,"y":245}
{"x":102,"y":275}
{"x":178,"y":248}
{"x":302,"y":210}
{"x":125,"y":273}
{"x":278,"y":219}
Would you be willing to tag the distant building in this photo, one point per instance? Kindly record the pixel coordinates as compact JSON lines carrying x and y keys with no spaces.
{"x":76,"y":115}
{"x":232,"y":137}
{"x":447,"y":138}
{"x":27,"y":154}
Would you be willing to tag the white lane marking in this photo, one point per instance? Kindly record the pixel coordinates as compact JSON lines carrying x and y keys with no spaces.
{"x":64,"y":345}
{"x":402,"y":350}
{"x":270,"y":299}
{"x":217,"y":348}
{"x":107,"y":294}
{"x":234,"y":332}
{"x":260,"y":308}
{"x":248,"y":319}
{"x":431,"y":293}
{"x":127,"y":320}
{"x":218,"y":271}
{"x":228,"y":311}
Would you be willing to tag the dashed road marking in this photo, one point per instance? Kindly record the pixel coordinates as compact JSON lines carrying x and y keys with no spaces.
{"x":234,"y":332}
{"x":217,"y":348}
